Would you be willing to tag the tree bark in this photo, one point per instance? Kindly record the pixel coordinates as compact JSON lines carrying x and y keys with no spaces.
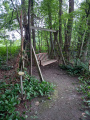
{"x":80,"y":37}
{"x":69,"y":31}
{"x":86,"y":35}
{"x":50,"y":24}
{"x":60,"y":49}
{"x":25,"y":22}
{"x":86,"y":41}
{"x":29,"y":32}
{"x":32,"y":23}
{"x":60,"y":23}
{"x":70,"y":21}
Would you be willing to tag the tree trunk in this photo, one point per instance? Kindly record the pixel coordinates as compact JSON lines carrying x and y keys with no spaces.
{"x":69,"y":30}
{"x":32,"y":23}
{"x":80,"y":37}
{"x":60,"y":23}
{"x":70,"y":21}
{"x":39,"y":41}
{"x":29,"y":32}
{"x":60,"y":49}
{"x":86,"y":41}
{"x":51,"y":37}
{"x":25,"y":23}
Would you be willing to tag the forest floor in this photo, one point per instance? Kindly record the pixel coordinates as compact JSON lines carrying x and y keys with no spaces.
{"x":65,"y":102}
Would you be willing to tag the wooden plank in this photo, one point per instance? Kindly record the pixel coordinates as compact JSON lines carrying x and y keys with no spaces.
{"x":44,"y":29}
{"x":45,"y":56}
{"x":48,"y":62}
{"x":37,"y":64}
{"x":42,"y":56}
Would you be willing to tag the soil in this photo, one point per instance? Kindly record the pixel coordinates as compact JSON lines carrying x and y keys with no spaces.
{"x":65,"y":102}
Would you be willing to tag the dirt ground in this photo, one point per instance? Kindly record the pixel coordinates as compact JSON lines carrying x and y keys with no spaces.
{"x":65,"y":103}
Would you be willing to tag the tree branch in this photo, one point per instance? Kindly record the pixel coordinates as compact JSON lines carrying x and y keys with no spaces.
{"x":16,"y":11}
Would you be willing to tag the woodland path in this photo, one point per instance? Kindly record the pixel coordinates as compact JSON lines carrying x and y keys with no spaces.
{"x":65,"y":103}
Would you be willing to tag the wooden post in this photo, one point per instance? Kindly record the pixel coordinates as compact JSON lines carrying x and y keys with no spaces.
{"x":21,"y":87}
{"x":89,"y":65}
{"x":37,"y":64}
{"x":21,"y":74}
{"x":23,"y":62}
{"x":21,"y":28}
{"x":21,"y":33}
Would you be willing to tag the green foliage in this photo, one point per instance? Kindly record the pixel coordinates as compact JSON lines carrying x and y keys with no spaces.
{"x":5,"y":67}
{"x":8,"y":100}
{"x":14,"y":50}
{"x":85,"y":88}
{"x":9,"y":95}
{"x":73,"y":70}
{"x":84,"y":78}
{"x":34,"y":88}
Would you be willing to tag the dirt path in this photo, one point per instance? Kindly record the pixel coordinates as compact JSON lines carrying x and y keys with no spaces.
{"x":65,"y":103}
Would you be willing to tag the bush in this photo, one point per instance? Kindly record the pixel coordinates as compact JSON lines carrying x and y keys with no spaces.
{"x":73,"y":70}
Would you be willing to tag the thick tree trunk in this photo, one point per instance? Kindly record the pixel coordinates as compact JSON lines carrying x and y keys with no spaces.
{"x":59,"y":47}
{"x":70,"y":21}
{"x":86,"y":41}
{"x":66,"y":45}
{"x":68,"y":32}
{"x":60,"y":23}
{"x":29,"y":32}
{"x":25,"y":22}
{"x":32,"y":23}
{"x":51,"y":37}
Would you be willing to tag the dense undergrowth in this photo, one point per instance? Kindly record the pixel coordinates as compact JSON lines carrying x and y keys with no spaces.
{"x":12,"y":52}
{"x":84,"y":78}
{"x":10,"y":95}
